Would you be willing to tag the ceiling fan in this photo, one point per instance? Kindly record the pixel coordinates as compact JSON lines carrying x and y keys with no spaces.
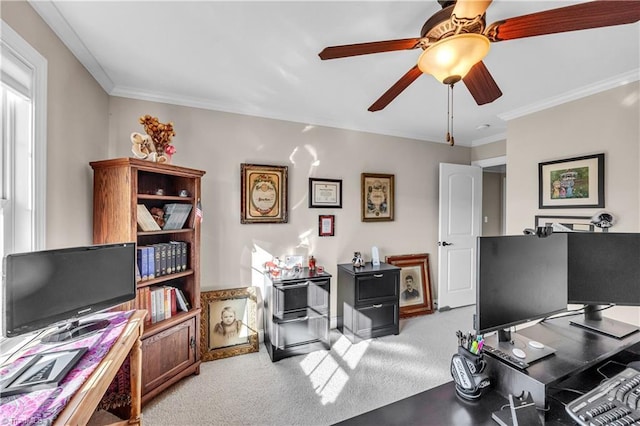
{"x":456,"y":39}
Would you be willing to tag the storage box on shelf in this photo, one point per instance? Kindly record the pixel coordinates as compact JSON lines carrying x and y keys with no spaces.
{"x":368,"y":304}
{"x":170,"y":343}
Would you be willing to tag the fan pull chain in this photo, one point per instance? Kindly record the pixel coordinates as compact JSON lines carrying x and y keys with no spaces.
{"x":450,"y":138}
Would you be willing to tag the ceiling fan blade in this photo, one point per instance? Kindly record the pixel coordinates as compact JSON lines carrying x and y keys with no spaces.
{"x":593,"y":14}
{"x":334,"y":52}
{"x":481,"y":84}
{"x":396,"y":89}
{"x":470,"y":9}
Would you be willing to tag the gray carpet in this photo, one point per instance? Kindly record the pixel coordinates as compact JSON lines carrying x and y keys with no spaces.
{"x":319,"y":388}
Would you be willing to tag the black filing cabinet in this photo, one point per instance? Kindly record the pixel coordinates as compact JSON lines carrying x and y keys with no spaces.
{"x":296,"y":313}
{"x":367,"y":303}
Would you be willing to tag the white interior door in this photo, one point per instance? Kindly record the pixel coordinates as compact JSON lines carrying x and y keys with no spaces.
{"x":460,"y":212}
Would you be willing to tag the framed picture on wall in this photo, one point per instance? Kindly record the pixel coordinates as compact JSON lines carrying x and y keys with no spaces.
{"x":571,"y":183}
{"x":264,"y":194}
{"x":377,"y":197}
{"x":326,"y":225}
{"x":325,"y":193}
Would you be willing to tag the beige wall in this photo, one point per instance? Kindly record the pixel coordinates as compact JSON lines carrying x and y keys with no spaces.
{"x":492,"y":184}
{"x":77,"y":127}
{"x":489,"y":150}
{"x":219,"y":142}
{"x":606,"y":122}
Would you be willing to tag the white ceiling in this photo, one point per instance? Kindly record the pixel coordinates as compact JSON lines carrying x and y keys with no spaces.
{"x":261,"y":59}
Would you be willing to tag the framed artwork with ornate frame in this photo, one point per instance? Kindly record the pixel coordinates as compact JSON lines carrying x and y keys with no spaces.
{"x":415,"y":284}
{"x":377,"y":197}
{"x":325,"y":193}
{"x":571,"y":183}
{"x":264,"y":194}
{"x":228,"y":323}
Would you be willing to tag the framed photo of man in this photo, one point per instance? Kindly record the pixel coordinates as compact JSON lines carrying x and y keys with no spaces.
{"x":415,"y":284}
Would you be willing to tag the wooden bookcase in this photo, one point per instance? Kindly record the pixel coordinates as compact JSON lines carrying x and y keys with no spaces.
{"x":170,"y":347}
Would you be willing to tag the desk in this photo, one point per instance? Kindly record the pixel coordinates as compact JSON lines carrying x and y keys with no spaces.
{"x":574,"y":365}
{"x":577,"y":349}
{"x":81,"y":407}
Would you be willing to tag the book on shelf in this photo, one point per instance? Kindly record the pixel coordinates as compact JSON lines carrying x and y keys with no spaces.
{"x":182,"y":301}
{"x":161,"y":302}
{"x":175,"y":215}
{"x":181,"y":255}
{"x":145,"y":220}
{"x":171,"y":304}
{"x":145,"y":262}
{"x":142,"y":261}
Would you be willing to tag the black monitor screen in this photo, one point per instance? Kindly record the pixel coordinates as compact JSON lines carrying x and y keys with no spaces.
{"x":604,"y":268}
{"x":45,"y":287}
{"x":520,"y":278}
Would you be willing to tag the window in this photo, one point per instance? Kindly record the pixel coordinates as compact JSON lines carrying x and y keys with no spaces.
{"x":23,"y":73}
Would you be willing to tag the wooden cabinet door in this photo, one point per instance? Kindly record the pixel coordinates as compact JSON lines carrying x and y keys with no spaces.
{"x":167,"y":353}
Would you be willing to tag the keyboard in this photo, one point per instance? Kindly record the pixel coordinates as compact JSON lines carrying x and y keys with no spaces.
{"x":614,"y":402}
{"x":509,"y":359}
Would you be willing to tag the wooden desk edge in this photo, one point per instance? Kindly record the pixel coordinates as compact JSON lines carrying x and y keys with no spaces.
{"x":83,"y":404}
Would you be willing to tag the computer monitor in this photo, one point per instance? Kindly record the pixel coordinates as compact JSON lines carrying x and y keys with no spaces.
{"x":520,"y":278}
{"x":604,"y":269}
{"x":61,"y":287}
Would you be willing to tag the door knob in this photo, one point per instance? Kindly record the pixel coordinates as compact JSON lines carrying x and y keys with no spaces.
{"x":444,"y":243}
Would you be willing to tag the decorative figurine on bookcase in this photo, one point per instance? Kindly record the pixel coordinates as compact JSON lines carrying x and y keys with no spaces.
{"x":156,"y":144}
{"x":158,"y":216}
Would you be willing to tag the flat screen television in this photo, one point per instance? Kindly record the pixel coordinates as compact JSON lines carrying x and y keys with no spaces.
{"x":520,"y":278}
{"x":60,"y":287}
{"x":604,"y":269}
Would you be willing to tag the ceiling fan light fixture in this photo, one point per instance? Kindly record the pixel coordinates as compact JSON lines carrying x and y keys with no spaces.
{"x":450,"y":59}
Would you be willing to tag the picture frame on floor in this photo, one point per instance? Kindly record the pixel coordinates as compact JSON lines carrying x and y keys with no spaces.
{"x":415,"y":284}
{"x":228,"y":323}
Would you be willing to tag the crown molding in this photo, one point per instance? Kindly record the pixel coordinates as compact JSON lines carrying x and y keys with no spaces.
{"x":52,"y":16}
{"x":489,"y":139}
{"x":592,"y":89}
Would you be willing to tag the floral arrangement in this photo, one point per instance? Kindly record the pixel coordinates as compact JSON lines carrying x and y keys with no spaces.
{"x":156,"y":144}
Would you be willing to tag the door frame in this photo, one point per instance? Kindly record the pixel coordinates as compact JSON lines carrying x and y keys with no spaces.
{"x":497,"y":161}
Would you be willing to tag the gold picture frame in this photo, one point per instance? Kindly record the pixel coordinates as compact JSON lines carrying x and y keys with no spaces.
{"x":415,"y":284}
{"x":264,"y":197}
{"x":377,"y":197}
{"x":220,"y":337}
